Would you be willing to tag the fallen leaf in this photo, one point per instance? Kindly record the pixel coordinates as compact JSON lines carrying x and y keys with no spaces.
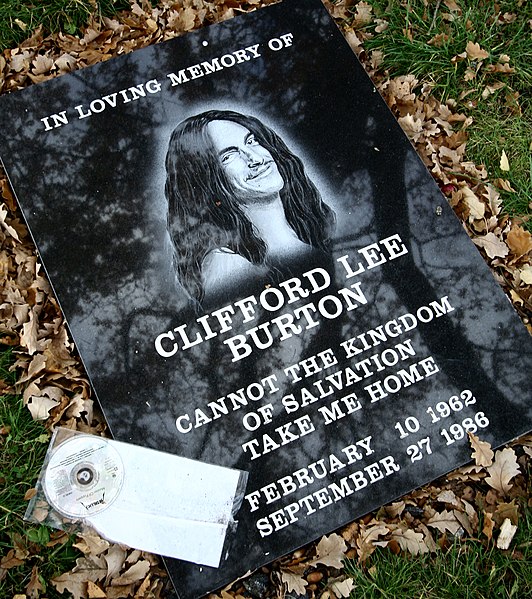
{"x":75,"y":584}
{"x":503,"y":469}
{"x":482,"y":452}
{"x":395,"y":509}
{"x":92,"y":543}
{"x":368,"y":538}
{"x":507,"y":510}
{"x":42,"y":64}
{"x":506,"y":534}
{"x":489,"y":524}
{"x":444,"y":521}
{"x":94,"y":591}
{"x":519,"y":241}
{"x":331,"y":551}
{"x":429,"y":540}
{"x":30,"y":494}
{"x":294,"y":582}
{"x":526,"y":274}
{"x":503,"y":184}
{"x":476,"y":207}
{"x":76,"y":580}
{"x":493,"y":246}
{"x":137,"y":572}
{"x":411,"y":126}
{"x":448,"y":496}
{"x":10,"y":560}
{"x":410,"y":541}
{"x":504,"y":163}
{"x":451,"y":5}
{"x":114,"y":558}
{"x":475,"y":52}
{"x":363,"y":14}
{"x":464,"y":521}
{"x":8,"y":228}
{"x":40,"y":407}
{"x":343,"y":588}
{"x":124,"y":591}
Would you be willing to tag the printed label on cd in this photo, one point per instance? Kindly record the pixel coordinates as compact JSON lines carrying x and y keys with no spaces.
{"x":83,"y":477}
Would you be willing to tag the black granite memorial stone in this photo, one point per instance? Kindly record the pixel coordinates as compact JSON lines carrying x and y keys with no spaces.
{"x":301,"y":303}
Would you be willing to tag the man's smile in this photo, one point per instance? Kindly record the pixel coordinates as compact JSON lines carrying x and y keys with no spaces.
{"x":263,"y":169}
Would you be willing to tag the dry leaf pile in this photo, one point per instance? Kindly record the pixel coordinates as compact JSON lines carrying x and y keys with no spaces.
{"x":480,"y":501}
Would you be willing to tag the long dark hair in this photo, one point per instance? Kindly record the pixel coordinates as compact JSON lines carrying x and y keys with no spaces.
{"x":204,"y":215}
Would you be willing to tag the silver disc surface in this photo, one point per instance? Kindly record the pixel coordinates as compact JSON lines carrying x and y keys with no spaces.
{"x":83,"y":477}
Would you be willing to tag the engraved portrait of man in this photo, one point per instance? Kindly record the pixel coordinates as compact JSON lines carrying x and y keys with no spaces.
{"x":240,"y":204}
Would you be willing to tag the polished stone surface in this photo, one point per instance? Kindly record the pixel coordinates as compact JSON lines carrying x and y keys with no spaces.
{"x":92,"y":192}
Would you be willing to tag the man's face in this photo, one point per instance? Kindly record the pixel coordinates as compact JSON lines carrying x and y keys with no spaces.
{"x":249,"y":167}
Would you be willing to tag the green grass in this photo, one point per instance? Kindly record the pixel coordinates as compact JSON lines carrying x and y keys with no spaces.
{"x":23,"y":444}
{"x":502,"y":120}
{"x":18,"y":18}
{"x":494,"y":133}
{"x":467,"y":570}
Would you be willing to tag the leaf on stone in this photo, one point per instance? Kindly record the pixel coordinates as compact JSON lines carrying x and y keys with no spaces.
{"x":410,"y":541}
{"x":482,"y":452}
{"x":503,"y":469}
{"x":519,"y":241}
{"x":445,"y":521}
{"x":506,"y":534}
{"x":492,"y":245}
{"x":475,"y":52}
{"x":294,"y":582}
{"x":330,"y":551}
{"x":342,"y":588}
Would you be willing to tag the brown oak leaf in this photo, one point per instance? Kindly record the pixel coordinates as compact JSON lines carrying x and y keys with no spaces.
{"x":445,"y":521}
{"x":342,"y":588}
{"x":331,"y":551}
{"x":410,"y":541}
{"x":489,"y":523}
{"x":503,"y":469}
{"x":482,"y":452}
{"x":493,"y":246}
{"x":475,"y":52}
{"x":294,"y":582}
{"x":519,"y":241}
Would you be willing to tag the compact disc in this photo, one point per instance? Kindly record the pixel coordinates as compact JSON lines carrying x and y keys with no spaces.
{"x":83,"y":477}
